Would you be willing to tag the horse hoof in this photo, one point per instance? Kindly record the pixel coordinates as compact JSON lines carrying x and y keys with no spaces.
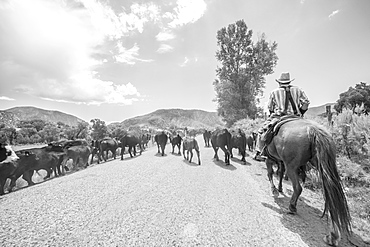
{"x":292,"y":209}
{"x":328,"y":239}
{"x":275,"y":192}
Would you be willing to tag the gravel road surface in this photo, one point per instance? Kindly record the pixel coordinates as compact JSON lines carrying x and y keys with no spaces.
{"x":152,"y":200}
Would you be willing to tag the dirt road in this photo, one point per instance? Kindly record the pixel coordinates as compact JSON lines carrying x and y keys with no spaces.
{"x":152,"y":200}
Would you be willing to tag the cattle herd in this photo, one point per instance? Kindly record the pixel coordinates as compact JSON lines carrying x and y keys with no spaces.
{"x":61,"y":157}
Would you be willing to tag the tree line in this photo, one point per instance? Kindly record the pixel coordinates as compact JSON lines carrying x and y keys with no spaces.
{"x":40,"y":131}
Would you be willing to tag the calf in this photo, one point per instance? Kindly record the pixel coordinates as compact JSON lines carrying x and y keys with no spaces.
{"x":239,"y":141}
{"x":189,"y":144}
{"x":251,"y":141}
{"x":176,"y":141}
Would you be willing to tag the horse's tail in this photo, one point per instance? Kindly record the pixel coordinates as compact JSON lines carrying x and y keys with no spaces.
{"x":323,"y":148}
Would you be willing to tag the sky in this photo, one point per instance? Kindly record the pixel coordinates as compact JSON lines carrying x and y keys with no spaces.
{"x":117,"y":59}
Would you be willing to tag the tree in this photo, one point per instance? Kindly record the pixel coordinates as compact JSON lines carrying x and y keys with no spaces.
{"x":100,"y":130}
{"x":38,"y":124}
{"x":50,"y":133}
{"x":354,"y":98}
{"x":244,"y":64}
{"x":9,"y":133}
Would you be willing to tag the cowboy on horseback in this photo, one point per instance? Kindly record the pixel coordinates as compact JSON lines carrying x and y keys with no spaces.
{"x":286,"y":100}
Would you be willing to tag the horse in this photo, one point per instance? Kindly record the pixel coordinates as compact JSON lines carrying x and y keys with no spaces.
{"x":131,"y":140}
{"x":176,"y":141}
{"x":221,"y":138}
{"x":301,"y":141}
{"x":161,"y":140}
{"x":239,"y":141}
{"x":207,"y":137}
{"x":188,"y":145}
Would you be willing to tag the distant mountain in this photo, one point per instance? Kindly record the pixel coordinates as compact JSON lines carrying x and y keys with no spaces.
{"x":13,"y":115}
{"x":175,"y":117}
{"x":319,"y":110}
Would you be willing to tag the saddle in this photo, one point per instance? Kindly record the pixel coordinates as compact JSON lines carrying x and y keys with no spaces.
{"x":275,"y":126}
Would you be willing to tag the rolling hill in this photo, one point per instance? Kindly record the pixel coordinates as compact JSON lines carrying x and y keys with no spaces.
{"x":175,"y":117}
{"x":319,"y":110}
{"x":12,"y":116}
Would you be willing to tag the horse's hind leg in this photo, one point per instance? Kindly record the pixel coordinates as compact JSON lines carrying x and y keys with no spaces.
{"x":191,"y":155}
{"x":270,"y":172}
{"x":297,"y":188}
{"x":281,"y":175}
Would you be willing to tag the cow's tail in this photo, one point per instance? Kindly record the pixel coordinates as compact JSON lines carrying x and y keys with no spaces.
{"x":323,"y":148}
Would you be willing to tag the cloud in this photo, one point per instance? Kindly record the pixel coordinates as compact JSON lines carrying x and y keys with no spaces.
{"x":187,"y":11}
{"x":51,"y":49}
{"x":6,"y":98}
{"x":333,"y":14}
{"x":164,"y":48}
{"x":164,"y":36}
{"x":88,"y":90}
{"x":186,"y":61}
{"x":129,"y":56}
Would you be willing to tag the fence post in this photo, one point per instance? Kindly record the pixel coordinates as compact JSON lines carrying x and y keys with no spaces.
{"x":329,"y":114}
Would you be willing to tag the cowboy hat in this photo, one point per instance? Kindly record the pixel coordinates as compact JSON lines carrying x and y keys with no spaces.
{"x":284,"y":78}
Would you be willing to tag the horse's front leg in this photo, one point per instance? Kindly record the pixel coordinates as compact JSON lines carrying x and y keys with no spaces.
{"x":297,"y":189}
{"x":179,"y":146}
{"x":270,"y":172}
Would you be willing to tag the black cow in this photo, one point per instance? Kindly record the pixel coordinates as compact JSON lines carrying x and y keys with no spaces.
{"x":207,"y":137}
{"x":251,"y":141}
{"x":35,"y":159}
{"x":176,"y":141}
{"x":104,"y":145}
{"x":145,"y":138}
{"x":161,"y":140}
{"x":7,"y":169}
{"x":79,"y":155}
{"x":239,"y":141}
{"x":221,"y":138}
{"x":131,"y":141}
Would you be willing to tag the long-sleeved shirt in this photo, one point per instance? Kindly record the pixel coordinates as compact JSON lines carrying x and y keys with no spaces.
{"x":276,"y":103}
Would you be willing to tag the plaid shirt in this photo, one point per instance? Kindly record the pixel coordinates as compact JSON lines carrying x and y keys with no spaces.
{"x":276,"y":103}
